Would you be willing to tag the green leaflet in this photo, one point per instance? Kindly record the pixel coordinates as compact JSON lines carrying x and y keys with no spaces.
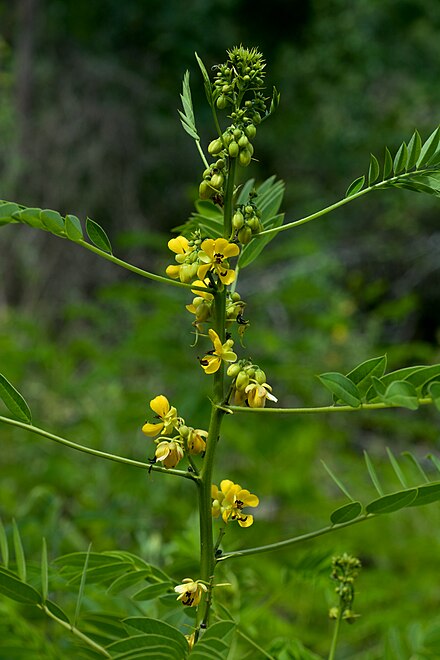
{"x":187,"y":116}
{"x":342,"y":387}
{"x":73,"y":228}
{"x":346,"y":513}
{"x":362,"y":375}
{"x":373,"y":475}
{"x":152,"y":591}
{"x":98,"y":236}
{"x":53,"y":222}
{"x":414,"y":149}
{"x":127,"y":580}
{"x":12,"y":587}
{"x":373,"y":170}
{"x":4,"y":548}
{"x":393,"y":502}
{"x":155,"y":626}
{"x":400,"y":159}
{"x":44,"y":571}
{"x":355,"y":186}
{"x":426,"y":495}
{"x":14,"y":401}
{"x":19,"y":552}
{"x":429,"y":148}
{"x":434,"y":392}
{"x":401,"y":393}
{"x":337,"y":481}
{"x":151,"y":645}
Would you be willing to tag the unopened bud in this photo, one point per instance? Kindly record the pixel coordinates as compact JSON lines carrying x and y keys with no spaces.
{"x":245,"y":235}
{"x":233,"y":149}
{"x":215,"y":147}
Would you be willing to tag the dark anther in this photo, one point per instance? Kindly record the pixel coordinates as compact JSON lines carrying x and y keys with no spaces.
{"x":152,"y":462}
{"x":218,"y":552}
{"x":203,"y":626}
{"x":240,"y":320}
{"x":190,"y":468}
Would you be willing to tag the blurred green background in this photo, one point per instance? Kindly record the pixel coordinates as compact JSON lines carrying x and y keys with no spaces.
{"x":88,"y":125}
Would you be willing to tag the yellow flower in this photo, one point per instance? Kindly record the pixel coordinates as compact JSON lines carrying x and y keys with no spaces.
{"x":201,"y":305}
{"x":229,"y":501}
{"x":257,"y":394}
{"x":191,"y":640}
{"x":167,"y":415}
{"x":190,"y":591}
{"x":212,"y":361}
{"x":196,"y":441}
{"x":186,"y":258}
{"x":214,"y":256}
{"x":169,"y":453}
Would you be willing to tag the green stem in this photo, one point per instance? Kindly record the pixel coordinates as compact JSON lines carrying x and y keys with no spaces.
{"x":332,"y":207}
{"x":331,"y":655}
{"x":202,"y":155}
{"x":229,"y":193}
{"x":321,"y":409}
{"x":296,"y":539}
{"x":135,"y":269}
{"x":96,"y":452}
{"x":84,"y":638}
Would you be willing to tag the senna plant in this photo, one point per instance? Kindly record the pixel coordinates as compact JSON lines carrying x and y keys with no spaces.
{"x":232,"y":224}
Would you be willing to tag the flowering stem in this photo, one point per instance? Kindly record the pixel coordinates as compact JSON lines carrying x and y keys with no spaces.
{"x":96,"y":452}
{"x":296,"y":539}
{"x":331,"y":655}
{"x":229,"y":193}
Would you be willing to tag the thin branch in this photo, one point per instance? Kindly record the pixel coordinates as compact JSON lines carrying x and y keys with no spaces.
{"x":319,"y":409}
{"x":296,"y":539}
{"x":96,"y":452}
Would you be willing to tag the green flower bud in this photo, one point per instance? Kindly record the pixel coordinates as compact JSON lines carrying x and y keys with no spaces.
{"x":237,"y":220}
{"x":250,"y":148}
{"x":233,"y":370}
{"x":260,"y":376}
{"x":242,"y":381}
{"x":249,"y":209}
{"x":220,"y":164}
{"x":188,"y":273}
{"x":243,"y":141}
{"x":203,"y":311}
{"x":244,"y":158}
{"x":198,"y":300}
{"x":250,"y":131}
{"x":250,"y":371}
{"x":245,"y":235}
{"x":235,"y":297}
{"x":254,"y":224}
{"x":184,"y":431}
{"x":217,"y":181}
{"x":205,"y":190}
{"x":222,"y":102}
{"x":237,"y":133}
{"x":233,"y":149}
{"x":256,"y":117}
{"x":215,"y":147}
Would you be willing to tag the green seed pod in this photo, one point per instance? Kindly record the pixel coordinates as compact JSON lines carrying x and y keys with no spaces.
{"x":215,"y":147}
{"x":237,"y":220}
{"x":233,"y":149}
{"x":243,"y":141}
{"x":250,"y":131}
{"x":242,"y":381}
{"x":244,"y":158}
{"x":260,"y":376}
{"x":205,"y":190}
{"x":233,"y":370}
{"x":245,"y":235}
{"x":222,"y":102}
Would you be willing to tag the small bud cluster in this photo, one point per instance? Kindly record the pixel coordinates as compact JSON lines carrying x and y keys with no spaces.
{"x":241,"y":73}
{"x":345,"y":570}
{"x":246,"y":222}
{"x":213,"y":179}
{"x":249,"y":386}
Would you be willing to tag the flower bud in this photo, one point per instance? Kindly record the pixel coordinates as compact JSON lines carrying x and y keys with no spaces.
{"x":237,"y":220}
{"x":233,"y":149}
{"x":254,"y":224}
{"x":237,"y":133}
{"x":260,"y":376}
{"x":183,"y":430}
{"x":245,"y":157}
{"x":245,"y":235}
{"x":242,"y":381}
{"x":215,"y":147}
{"x":222,"y":102}
{"x":205,"y":190}
{"x":233,"y":370}
{"x":243,"y":141}
{"x":217,"y":181}
{"x":250,"y":131}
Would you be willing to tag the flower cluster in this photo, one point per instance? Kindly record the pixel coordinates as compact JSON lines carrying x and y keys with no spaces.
{"x":198,"y":259}
{"x":229,"y":501}
{"x":203,"y":303}
{"x":171,"y":450}
{"x":345,"y":570}
{"x":249,"y":386}
{"x":186,"y":258}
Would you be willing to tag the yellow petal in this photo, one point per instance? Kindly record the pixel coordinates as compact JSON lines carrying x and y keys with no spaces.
{"x":179,"y":245}
{"x":208,"y":246}
{"x":202,"y":270}
{"x":152,"y":429}
{"x":160,"y":405}
{"x":225,"y":485}
{"x":227,"y":277}
{"x":231,"y":250}
{"x":245,"y":521}
{"x":173,"y":272}
{"x":212,"y":364}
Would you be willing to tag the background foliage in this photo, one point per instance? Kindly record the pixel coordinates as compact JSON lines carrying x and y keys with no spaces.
{"x":88,"y":125}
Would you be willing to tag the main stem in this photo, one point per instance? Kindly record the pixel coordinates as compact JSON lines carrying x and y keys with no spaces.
{"x":207,"y":551}
{"x":331,"y":655}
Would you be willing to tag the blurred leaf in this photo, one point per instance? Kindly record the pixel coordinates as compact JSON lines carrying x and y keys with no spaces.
{"x":151,"y":645}
{"x":73,"y":228}
{"x":81,"y":588}
{"x":342,"y":387}
{"x":416,"y":463}
{"x":44,"y":571}
{"x":57,"y":611}
{"x":393,"y":502}
{"x":187,"y":116}
{"x":19,"y":552}
{"x":251,"y":251}
{"x":152,"y":591}
{"x":14,"y":401}
{"x":7,"y":210}
{"x":12,"y":587}
{"x":355,"y":186}
{"x":427,"y":494}
{"x":4,"y":548}
{"x":372,"y":473}
{"x":206,"y":80}
{"x":157,"y":627}
{"x":434,"y":393}
{"x":346,"y":513}
{"x":128,"y":580}
{"x":98,"y":236}
{"x":396,"y":468}
{"x":337,"y":481}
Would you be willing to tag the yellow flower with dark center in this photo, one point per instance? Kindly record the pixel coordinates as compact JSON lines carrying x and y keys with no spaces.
{"x":212,"y":361}
{"x":257,"y":395}
{"x":167,"y":415}
{"x":196,"y":441}
{"x":186,"y":257}
{"x":214,"y":256}
{"x":190,"y":592}
{"x":169,"y":452}
{"x":229,"y":501}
